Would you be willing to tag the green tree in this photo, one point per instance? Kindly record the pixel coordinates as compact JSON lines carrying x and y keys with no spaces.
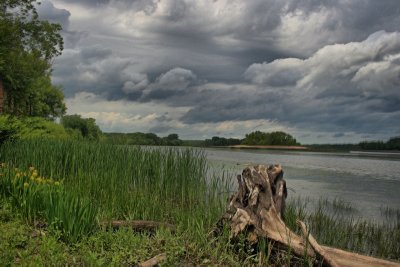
{"x":273,"y":138}
{"x":172,"y":140}
{"x":27,"y":48}
{"x":12,"y":128}
{"x":87,"y":127}
{"x":393,"y":143}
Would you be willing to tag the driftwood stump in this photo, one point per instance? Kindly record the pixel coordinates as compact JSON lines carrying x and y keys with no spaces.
{"x":256,"y":211}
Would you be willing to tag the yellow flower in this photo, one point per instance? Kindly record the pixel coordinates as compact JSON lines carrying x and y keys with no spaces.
{"x":17,"y":175}
{"x":26,"y":185}
{"x":57,"y":183}
{"x":31,"y":168}
{"x":39,"y":180}
{"x":34,"y":174}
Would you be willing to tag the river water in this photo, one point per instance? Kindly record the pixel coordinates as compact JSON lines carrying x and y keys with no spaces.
{"x":369,"y":184}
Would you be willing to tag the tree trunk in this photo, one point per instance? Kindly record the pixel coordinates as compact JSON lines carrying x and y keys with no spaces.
{"x":2,"y":96}
{"x":256,"y":210}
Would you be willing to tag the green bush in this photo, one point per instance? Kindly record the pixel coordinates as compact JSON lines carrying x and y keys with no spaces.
{"x":12,"y":128}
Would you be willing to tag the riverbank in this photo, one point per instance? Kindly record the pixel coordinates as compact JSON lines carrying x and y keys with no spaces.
{"x":130,"y":183}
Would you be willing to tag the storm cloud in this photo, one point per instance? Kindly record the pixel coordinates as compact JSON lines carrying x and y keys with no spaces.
{"x":315,"y":68}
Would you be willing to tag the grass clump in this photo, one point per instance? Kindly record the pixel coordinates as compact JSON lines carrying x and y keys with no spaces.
{"x":38,"y":199}
{"x":332,"y":223}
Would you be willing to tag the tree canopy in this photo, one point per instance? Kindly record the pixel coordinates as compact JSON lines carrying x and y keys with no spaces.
{"x":392,"y":144}
{"x":273,"y":138}
{"x":27,"y":47}
{"x":87,"y":128}
{"x":222,"y":141}
{"x":139,"y":138}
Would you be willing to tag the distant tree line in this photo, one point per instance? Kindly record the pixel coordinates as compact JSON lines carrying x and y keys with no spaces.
{"x":392,"y":144}
{"x":255,"y":138}
{"x":139,"y":138}
{"x":221,"y":141}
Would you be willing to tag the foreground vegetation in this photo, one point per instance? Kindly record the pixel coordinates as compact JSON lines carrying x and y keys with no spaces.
{"x":51,"y":206}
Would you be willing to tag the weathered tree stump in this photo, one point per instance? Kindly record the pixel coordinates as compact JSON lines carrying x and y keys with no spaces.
{"x":256,"y":211}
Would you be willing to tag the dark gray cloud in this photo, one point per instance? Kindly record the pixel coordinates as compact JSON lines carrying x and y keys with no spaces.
{"x":93,"y":3}
{"x":47,"y":11}
{"x":348,"y":91}
{"x":168,"y":84}
{"x":330,"y":66}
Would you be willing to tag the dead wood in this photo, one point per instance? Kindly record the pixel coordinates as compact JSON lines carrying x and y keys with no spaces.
{"x":154,"y":261}
{"x":256,"y":211}
{"x":149,"y":226}
{"x":317,"y":248}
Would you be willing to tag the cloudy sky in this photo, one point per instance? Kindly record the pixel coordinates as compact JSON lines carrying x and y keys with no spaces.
{"x":321,"y":70}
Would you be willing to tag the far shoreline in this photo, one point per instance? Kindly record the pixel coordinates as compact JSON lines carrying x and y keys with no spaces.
{"x":268,"y":147}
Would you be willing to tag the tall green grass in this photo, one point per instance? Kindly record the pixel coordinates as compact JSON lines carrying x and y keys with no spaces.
{"x":128,"y":182}
{"x":332,"y":223}
{"x":40,"y":199}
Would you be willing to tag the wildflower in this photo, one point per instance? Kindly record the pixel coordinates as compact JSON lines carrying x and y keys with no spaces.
{"x":57,"y":183}
{"x":3,"y":165}
{"x":34,"y":173}
{"x":39,"y":180}
{"x":31,"y":168}
{"x":26,"y":185}
{"x":18,"y":175}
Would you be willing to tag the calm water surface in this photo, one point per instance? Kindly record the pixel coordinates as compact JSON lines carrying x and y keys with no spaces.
{"x":367,"y":183}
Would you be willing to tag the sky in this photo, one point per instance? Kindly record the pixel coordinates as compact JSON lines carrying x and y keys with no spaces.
{"x":325,"y":71}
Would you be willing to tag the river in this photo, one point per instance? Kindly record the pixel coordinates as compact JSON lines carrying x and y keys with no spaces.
{"x":367,"y":183}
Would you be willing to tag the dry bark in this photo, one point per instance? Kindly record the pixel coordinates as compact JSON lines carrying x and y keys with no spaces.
{"x":317,"y":248}
{"x":256,"y":211}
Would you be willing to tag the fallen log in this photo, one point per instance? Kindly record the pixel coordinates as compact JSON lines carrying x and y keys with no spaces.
{"x":139,"y":226}
{"x":154,"y":261}
{"x":256,"y":211}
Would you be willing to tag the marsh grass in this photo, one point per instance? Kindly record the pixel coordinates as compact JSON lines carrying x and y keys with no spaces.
{"x":332,"y":224}
{"x":40,"y":199}
{"x":125,"y":182}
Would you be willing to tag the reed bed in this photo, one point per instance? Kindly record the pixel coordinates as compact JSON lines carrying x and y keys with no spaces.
{"x":124,"y":182}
